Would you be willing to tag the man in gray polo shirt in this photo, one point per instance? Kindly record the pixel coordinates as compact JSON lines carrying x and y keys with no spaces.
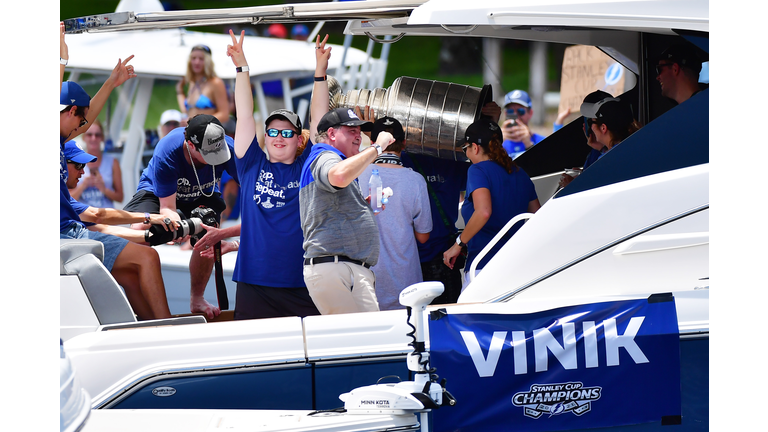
{"x":341,"y":240}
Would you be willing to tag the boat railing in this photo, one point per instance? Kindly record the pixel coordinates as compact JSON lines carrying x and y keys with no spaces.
{"x":502,"y":232}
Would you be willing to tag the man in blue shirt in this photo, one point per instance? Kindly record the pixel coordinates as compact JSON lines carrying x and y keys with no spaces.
{"x":183,"y":174}
{"x":136,"y":268}
{"x":518,"y":110}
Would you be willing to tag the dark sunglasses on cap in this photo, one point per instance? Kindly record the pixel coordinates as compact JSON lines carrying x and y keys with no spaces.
{"x":201,"y":48}
{"x":519,"y":111}
{"x":286,"y":133}
{"x":78,"y":166}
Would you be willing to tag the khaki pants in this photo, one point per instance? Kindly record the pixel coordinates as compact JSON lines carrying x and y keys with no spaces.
{"x":341,"y":287}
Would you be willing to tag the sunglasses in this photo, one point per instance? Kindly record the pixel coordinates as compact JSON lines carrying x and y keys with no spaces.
{"x":78,"y":166}
{"x":94,"y":134}
{"x":588,"y":122}
{"x":465,"y":147}
{"x":519,"y":111}
{"x":286,"y":133}
{"x":201,"y":48}
{"x":83,"y":122}
{"x":660,"y":67}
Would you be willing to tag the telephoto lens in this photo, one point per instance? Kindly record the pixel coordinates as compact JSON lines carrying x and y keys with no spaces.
{"x":157,"y":234}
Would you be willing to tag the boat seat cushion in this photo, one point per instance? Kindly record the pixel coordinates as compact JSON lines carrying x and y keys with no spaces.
{"x":82,"y":258}
{"x":70,"y":249}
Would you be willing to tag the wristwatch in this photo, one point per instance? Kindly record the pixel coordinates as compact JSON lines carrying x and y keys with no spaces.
{"x":459,"y":242}
{"x":377,"y":147}
{"x":146,"y":217}
{"x":242,"y":69}
{"x":63,"y":61}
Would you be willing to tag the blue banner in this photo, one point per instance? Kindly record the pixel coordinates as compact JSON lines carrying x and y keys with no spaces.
{"x":586,"y":366}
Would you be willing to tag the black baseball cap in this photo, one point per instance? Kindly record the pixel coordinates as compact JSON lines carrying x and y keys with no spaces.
{"x":611,"y":111}
{"x":682,"y":54}
{"x":342,"y":117}
{"x":284,"y":114}
{"x":207,"y":134}
{"x":482,"y":131}
{"x":387,"y":124}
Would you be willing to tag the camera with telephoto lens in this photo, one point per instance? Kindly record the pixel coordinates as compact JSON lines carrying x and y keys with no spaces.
{"x":208,"y":217}
{"x":193,"y":227}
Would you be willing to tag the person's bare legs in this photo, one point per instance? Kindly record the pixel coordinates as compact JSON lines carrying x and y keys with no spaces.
{"x":145,"y":263}
{"x":199,"y":273}
{"x":129,"y":280}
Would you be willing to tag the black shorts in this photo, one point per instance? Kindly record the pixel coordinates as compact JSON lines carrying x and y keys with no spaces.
{"x":145,"y":201}
{"x":257,"y":301}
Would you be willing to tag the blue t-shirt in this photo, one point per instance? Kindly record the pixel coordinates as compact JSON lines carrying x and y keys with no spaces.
{"x":447,"y":178}
{"x":235,"y":213}
{"x":67,"y":214}
{"x":516,"y":148}
{"x":510,"y":195}
{"x":271,"y":251}
{"x":168,"y":171}
{"x":592,"y":157}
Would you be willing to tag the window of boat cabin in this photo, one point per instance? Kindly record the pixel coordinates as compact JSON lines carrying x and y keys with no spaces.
{"x":673,"y":136}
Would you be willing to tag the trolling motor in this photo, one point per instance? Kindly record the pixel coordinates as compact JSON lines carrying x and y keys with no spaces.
{"x":422,"y":394}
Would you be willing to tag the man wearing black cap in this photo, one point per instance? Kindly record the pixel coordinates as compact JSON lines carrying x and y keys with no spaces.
{"x":340,"y":235}
{"x":406,"y":223}
{"x":341,"y":241}
{"x":184,"y":173}
{"x":678,"y":71}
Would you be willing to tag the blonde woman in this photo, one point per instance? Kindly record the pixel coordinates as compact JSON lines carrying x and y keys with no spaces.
{"x":206,"y":93}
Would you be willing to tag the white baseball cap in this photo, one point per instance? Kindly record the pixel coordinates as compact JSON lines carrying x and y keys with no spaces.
{"x":170,"y":115}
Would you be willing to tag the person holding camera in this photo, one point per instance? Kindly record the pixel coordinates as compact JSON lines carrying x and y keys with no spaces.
{"x":184,"y":174}
{"x":518,"y":137}
{"x":135,"y":267}
{"x":269,"y":258}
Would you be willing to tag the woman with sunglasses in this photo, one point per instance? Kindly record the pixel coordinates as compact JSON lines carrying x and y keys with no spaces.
{"x":206,"y":92}
{"x":607,"y":122}
{"x":268,"y":270}
{"x":497,"y":191}
{"x":103,"y":186}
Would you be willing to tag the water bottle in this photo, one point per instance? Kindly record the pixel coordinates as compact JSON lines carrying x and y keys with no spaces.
{"x":374,"y":184}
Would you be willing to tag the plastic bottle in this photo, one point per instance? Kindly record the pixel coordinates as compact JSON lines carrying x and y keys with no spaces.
{"x":374,"y":185}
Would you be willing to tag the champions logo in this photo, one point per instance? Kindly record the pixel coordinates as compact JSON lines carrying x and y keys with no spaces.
{"x":555,"y":399}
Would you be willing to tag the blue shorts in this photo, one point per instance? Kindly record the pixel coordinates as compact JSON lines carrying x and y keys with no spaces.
{"x":112,"y":245}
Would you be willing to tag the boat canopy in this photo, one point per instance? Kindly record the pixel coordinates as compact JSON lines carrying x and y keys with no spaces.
{"x":283,"y":13}
{"x":651,"y":16}
{"x":165,"y":53}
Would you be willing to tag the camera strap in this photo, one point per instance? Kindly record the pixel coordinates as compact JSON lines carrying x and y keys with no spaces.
{"x":221,"y":286}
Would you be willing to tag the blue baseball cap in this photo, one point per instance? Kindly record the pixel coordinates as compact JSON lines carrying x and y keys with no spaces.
{"x":299,"y":30}
{"x":518,"y":97}
{"x":75,"y":154}
{"x":73,"y":94}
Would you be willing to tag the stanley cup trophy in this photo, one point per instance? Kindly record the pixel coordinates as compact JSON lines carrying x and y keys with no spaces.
{"x":434,"y":114}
